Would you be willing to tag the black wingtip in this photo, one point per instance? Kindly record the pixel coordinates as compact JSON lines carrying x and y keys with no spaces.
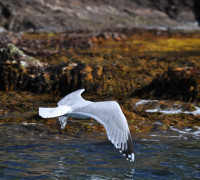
{"x":128,"y":150}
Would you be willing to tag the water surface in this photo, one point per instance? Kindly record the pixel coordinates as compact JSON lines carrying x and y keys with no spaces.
{"x":159,"y":155}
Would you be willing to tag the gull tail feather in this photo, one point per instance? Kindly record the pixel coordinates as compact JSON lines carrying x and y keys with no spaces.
{"x":53,"y":112}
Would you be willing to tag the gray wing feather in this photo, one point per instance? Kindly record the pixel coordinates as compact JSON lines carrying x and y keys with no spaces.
{"x":74,"y":100}
{"x":111,"y":116}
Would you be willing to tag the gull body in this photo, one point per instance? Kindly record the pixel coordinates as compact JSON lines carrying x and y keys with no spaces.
{"x":108,"y":113}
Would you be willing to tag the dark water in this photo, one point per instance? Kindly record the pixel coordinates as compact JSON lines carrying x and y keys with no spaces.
{"x":35,"y":156}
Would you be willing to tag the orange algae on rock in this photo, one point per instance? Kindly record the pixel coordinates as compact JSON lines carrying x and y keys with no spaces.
{"x":108,"y":66}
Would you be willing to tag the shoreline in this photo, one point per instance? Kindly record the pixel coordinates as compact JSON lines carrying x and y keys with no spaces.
{"x":96,"y":63}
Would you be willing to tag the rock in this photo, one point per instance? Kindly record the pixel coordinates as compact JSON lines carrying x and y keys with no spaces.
{"x":14,"y":56}
{"x":17,"y":68}
{"x":178,"y":84}
{"x":9,"y":37}
{"x":19,"y":71}
{"x":95,"y":16}
{"x":22,"y":72}
{"x":65,"y":62}
{"x":2,"y":29}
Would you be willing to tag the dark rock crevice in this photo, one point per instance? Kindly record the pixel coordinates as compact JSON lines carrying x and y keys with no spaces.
{"x":180,"y":84}
{"x":196,"y":9}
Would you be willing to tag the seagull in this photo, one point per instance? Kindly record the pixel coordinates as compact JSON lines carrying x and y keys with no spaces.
{"x":108,"y":113}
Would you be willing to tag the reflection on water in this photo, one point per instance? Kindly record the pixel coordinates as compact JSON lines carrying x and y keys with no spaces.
{"x":36,"y":157}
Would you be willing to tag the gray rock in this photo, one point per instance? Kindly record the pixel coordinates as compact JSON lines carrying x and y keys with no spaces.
{"x":95,"y":16}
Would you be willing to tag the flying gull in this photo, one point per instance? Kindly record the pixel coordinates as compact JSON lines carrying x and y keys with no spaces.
{"x":107,"y":113}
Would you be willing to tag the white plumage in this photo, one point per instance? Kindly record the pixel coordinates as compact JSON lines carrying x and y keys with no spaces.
{"x":107,"y":113}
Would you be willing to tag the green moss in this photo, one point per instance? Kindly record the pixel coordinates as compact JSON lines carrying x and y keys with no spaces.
{"x":14,"y":50}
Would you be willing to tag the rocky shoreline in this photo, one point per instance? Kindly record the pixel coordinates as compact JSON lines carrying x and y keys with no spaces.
{"x":37,"y":69}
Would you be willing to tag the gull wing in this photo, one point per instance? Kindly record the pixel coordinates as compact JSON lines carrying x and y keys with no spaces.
{"x":74,"y":100}
{"x":53,"y":112}
{"x":111,"y":116}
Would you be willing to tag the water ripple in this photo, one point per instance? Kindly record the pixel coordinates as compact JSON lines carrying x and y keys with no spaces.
{"x":96,"y":158}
